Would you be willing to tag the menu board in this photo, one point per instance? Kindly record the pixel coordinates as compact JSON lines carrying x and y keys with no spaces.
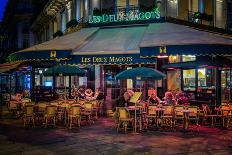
{"x":135,"y":97}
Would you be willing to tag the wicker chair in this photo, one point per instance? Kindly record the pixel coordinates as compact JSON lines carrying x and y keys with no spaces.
{"x":74,"y":113}
{"x":208,"y":115}
{"x":193,"y":116}
{"x":124,"y":118}
{"x":50,"y":115}
{"x":28,"y":115}
{"x":151,"y":115}
{"x":167,"y":117}
{"x":88,"y":111}
{"x":178,"y":115}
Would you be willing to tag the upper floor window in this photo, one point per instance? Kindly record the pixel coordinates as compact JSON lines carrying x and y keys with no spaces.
{"x":186,"y":58}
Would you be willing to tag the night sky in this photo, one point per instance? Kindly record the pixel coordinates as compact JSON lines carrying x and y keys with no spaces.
{"x":2,"y":7}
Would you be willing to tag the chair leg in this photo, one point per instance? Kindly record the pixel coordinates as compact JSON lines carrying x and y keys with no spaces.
{"x":79,"y":122}
{"x":118,"y":126}
{"x":125,"y":126}
{"x":70,"y":123}
{"x":33,"y":121}
{"x":46,"y":122}
{"x":24,"y":121}
{"x":54,"y":121}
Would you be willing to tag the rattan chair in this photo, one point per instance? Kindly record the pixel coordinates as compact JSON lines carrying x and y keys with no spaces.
{"x":124,"y":118}
{"x":28,"y":115}
{"x":88,"y":111}
{"x":74,"y":114}
{"x":167,"y":117}
{"x":208,"y":115}
{"x":50,"y":115}
{"x":151,"y":115}
{"x":178,"y":115}
{"x":193,"y":116}
{"x":95,"y":109}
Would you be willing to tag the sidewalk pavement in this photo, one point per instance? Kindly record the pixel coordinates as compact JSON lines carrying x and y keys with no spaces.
{"x":101,"y":138}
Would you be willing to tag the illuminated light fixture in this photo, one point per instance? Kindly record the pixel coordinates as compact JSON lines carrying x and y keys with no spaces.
{"x":171,"y":68}
{"x":162,"y":56}
{"x":173,"y":1}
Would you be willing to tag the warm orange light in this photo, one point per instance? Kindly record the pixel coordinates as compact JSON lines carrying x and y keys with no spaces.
{"x":163,"y":56}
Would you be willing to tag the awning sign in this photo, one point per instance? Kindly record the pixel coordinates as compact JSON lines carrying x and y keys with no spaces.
{"x":110,"y":59}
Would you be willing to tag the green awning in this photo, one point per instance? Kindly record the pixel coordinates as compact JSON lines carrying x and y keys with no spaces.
{"x":58,"y":48}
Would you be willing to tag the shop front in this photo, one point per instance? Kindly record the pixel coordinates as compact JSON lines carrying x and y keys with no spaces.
{"x":195,"y":61}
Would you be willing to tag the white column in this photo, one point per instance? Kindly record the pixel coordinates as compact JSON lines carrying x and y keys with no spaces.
{"x":97,"y":76}
{"x":63,"y":21}
{"x":69,"y":10}
{"x":86,"y":6}
{"x":78,"y":9}
{"x":201,"y":6}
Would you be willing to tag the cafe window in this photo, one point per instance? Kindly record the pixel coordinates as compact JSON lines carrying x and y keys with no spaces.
{"x":226,"y":85}
{"x":186,"y":58}
{"x":189,"y":77}
{"x":206,"y":77}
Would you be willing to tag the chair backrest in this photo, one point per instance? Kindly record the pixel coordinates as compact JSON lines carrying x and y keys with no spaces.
{"x":123,"y":113}
{"x":29,"y":110}
{"x":177,"y":112}
{"x":54,"y":103}
{"x":168,"y":110}
{"x":13,"y":104}
{"x":51,"y":110}
{"x":75,"y":110}
{"x":88,"y":106}
{"x":151,"y":109}
{"x":95,"y":104}
{"x":194,"y":111}
{"x":26,"y":100}
{"x":224,"y":109}
{"x":71,"y":101}
{"x":206,"y":109}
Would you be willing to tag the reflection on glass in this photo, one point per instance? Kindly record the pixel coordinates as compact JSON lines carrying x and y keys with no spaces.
{"x":226,"y":85}
{"x":189,"y":79}
{"x":186,"y":58}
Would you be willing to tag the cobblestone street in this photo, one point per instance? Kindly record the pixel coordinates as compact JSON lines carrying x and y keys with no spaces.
{"x":102,"y":138}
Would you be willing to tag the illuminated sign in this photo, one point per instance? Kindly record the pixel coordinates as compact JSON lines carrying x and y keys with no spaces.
{"x":124,"y":17}
{"x":53,"y":54}
{"x":111,"y":59}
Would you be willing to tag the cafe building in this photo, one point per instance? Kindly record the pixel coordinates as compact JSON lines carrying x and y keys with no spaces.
{"x":195,"y":61}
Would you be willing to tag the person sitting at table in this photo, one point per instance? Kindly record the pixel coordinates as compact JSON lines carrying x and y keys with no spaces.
{"x":182,"y":98}
{"x":130,"y":92}
{"x":81,"y":93}
{"x":169,"y":98}
{"x":153,"y":99}
{"x":98,"y":95}
{"x":88,"y":93}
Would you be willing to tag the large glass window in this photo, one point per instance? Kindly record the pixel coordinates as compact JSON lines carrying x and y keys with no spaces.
{"x":226,"y":83}
{"x":172,"y":8}
{"x":186,"y":58}
{"x":206,"y":77}
{"x":174,"y":80}
{"x":189,"y":77}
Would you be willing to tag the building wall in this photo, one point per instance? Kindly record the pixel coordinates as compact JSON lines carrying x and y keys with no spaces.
{"x":184,"y":8}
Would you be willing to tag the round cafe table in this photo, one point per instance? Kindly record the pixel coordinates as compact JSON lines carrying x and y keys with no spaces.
{"x":134,"y":109}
